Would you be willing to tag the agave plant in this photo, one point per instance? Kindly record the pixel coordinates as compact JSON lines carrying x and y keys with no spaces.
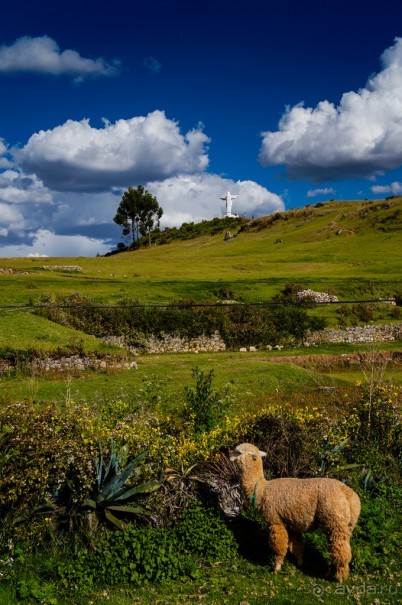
{"x":115,"y":492}
{"x":113,"y":497}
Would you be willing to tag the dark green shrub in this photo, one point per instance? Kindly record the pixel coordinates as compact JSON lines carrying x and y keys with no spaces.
{"x":293,"y":442}
{"x":202,"y":531}
{"x":239,"y":325}
{"x":127,"y":557}
{"x":376,"y":540}
{"x":40,"y":451}
{"x":205,"y":406}
{"x":225,"y":293}
{"x":363,"y":311}
{"x":136,"y":554}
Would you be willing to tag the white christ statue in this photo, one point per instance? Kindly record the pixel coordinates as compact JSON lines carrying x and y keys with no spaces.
{"x":228,"y":199}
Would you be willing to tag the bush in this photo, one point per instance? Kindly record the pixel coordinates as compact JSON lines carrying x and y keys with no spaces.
{"x":238,"y":325}
{"x":41,"y":450}
{"x":203,"y":532}
{"x":137,"y":554}
{"x":204,"y":406}
{"x":293,"y":440}
{"x":127,"y":557}
{"x":376,"y":541}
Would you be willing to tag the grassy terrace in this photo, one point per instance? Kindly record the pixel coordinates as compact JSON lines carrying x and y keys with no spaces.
{"x":251,"y":378}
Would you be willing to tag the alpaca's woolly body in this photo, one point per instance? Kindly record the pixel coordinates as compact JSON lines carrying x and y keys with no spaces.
{"x":294,"y":506}
{"x":304,"y":504}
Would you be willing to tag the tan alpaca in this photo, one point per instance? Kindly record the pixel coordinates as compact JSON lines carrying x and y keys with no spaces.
{"x":293,"y":506}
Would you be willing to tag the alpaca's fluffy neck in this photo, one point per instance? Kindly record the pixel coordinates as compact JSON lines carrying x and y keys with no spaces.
{"x":252,"y":482}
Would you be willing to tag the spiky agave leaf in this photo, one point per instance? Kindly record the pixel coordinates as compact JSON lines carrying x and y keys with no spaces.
{"x":99,"y":468}
{"x":143,"y":488}
{"x":113,"y":519}
{"x":116,"y":483}
{"x":132,"y":510}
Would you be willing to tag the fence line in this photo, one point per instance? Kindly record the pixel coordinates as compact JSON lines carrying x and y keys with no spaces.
{"x":181,"y":305}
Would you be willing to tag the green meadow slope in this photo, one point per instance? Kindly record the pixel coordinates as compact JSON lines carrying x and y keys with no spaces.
{"x":351,"y":248}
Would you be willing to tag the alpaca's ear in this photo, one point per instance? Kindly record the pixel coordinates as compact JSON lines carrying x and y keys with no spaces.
{"x":262,"y":454}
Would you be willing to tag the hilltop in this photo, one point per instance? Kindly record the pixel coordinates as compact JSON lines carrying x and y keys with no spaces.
{"x":352,"y":248}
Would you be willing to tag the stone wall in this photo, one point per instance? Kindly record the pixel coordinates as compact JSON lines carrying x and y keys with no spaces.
{"x":174,"y":344}
{"x":360,"y":334}
{"x":72,"y":268}
{"x":168,"y":343}
{"x":4,"y":271}
{"x":75,"y":363}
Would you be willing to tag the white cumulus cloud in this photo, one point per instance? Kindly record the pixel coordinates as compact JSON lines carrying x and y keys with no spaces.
{"x":188,"y":198}
{"x":47,"y":243}
{"x":17,"y":188}
{"x":323,"y":191}
{"x":4,"y":161}
{"x":78,"y":157}
{"x":11,"y":220}
{"x":359,"y":137}
{"x":42,"y":55}
{"x":395,"y":188}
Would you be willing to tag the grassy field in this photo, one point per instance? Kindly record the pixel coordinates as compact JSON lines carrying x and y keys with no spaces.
{"x":251,"y":380}
{"x":363,"y":259}
{"x":351,"y":248}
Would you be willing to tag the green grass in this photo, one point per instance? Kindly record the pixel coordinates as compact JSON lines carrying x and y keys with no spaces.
{"x":256,"y":585}
{"x":22,"y":330}
{"x":366,"y":259}
{"x":243,"y":582}
{"x":253,"y":379}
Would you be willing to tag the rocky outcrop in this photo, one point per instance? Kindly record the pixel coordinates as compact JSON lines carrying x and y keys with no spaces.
{"x":318,"y":297}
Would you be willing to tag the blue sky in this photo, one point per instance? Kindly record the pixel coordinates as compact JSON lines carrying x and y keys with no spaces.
{"x":281,"y":103}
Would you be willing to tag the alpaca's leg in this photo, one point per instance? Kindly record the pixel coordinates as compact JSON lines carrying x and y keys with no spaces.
{"x":341,"y":554}
{"x":296,"y":547}
{"x":278,"y":541}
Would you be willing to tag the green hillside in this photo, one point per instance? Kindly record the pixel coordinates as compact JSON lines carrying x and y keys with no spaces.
{"x":351,"y":248}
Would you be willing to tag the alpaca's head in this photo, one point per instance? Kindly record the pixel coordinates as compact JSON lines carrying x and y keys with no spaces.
{"x":248,"y":458}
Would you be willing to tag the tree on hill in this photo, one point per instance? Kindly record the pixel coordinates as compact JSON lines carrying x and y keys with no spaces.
{"x":138,"y":213}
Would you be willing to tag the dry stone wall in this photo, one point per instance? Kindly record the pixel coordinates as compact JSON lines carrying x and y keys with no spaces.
{"x":174,"y":344}
{"x":169,"y":343}
{"x":360,"y":334}
{"x":75,"y":363}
